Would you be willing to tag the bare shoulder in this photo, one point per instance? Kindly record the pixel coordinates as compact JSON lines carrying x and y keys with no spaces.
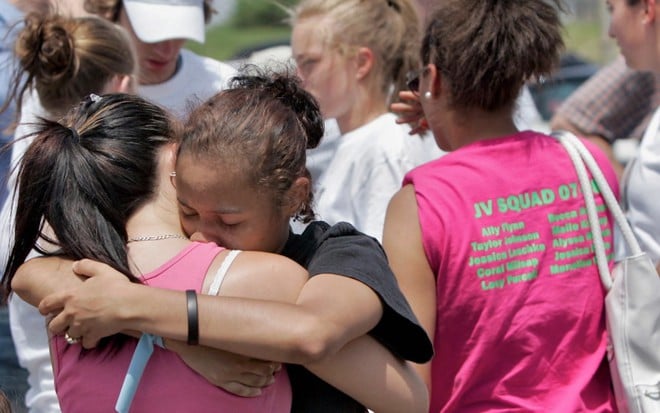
{"x":402,"y":208}
{"x":402,"y":234}
{"x":259,"y":275}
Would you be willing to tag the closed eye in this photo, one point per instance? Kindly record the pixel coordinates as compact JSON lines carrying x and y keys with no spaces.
{"x":187,"y":212}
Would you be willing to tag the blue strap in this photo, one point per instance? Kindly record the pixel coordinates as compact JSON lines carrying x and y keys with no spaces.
{"x":143,"y":351}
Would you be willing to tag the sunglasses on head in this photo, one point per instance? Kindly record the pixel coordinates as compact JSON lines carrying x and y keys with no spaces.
{"x":412,"y":80}
{"x":413,"y":77}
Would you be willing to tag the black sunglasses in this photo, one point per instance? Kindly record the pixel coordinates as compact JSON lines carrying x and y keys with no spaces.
{"x":412,"y":80}
{"x":413,"y":77}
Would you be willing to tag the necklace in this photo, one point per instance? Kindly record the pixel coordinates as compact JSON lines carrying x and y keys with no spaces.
{"x":156,"y":237}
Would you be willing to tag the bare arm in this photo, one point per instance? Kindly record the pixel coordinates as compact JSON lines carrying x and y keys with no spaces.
{"x":369,"y":373}
{"x":330,"y":312}
{"x":244,"y":376}
{"x":39,"y":277}
{"x":402,"y":240}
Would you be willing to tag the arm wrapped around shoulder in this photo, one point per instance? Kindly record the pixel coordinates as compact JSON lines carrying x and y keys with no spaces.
{"x":345,"y":251}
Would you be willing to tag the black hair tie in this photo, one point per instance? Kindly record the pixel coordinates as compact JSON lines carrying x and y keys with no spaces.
{"x":74,"y":135}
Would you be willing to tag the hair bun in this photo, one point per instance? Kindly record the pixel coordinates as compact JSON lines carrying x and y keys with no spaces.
{"x":292,"y":94}
{"x":286,"y":88}
{"x":45,"y":48}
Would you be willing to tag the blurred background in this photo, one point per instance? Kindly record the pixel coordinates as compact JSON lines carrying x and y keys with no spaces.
{"x":243,"y":27}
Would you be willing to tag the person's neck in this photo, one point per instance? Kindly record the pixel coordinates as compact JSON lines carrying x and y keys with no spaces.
{"x":157,"y":223}
{"x":158,"y":216}
{"x":466,"y":127}
{"x":364,"y":109}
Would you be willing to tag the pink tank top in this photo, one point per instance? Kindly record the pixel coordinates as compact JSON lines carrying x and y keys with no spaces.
{"x":89,"y":382}
{"x":520,"y":322}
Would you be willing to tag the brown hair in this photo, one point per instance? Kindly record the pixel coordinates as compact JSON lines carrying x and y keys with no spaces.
{"x":390,"y":28}
{"x":67,"y":58}
{"x":5,"y":406}
{"x":487,"y":49}
{"x":109,"y":9}
{"x":85,"y":176}
{"x":261,"y":125}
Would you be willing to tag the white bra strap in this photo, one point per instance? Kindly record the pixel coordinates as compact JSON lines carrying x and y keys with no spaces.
{"x":222,"y":272}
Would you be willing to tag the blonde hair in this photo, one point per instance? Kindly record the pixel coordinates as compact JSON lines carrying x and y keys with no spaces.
{"x":66,"y":58}
{"x":389,"y":28}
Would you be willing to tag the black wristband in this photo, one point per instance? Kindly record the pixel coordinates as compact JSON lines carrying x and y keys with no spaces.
{"x":193,"y":317}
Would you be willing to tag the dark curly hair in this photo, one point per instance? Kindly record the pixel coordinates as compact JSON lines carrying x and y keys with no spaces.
{"x":487,"y":49}
{"x":262,"y":124}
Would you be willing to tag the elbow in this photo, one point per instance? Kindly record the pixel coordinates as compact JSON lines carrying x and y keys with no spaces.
{"x":309,"y":351}
{"x":20,"y":284}
{"x":22,"y":287}
{"x":313,"y":341}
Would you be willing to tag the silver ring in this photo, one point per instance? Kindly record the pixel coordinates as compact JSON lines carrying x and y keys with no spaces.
{"x":71,"y":340}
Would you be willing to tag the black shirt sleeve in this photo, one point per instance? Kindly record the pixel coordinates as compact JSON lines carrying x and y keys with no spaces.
{"x":341,"y":249}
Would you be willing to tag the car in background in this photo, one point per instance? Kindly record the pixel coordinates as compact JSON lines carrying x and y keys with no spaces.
{"x":548,"y":93}
{"x":275,"y":53}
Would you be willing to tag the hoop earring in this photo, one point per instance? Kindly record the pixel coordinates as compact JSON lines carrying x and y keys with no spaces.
{"x":427,"y":94}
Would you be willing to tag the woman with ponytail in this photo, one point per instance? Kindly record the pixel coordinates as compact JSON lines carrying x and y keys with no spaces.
{"x":96,"y":185}
{"x":60,"y":60}
{"x":240,"y":178}
{"x":353,"y":57}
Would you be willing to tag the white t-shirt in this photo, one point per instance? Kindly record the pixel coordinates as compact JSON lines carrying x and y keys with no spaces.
{"x":318,"y":158}
{"x":30,"y":112}
{"x":27,"y":325}
{"x":198,"y":79}
{"x":28,"y":330}
{"x":366,"y":170}
{"x":527,"y":115}
{"x":640,"y":186}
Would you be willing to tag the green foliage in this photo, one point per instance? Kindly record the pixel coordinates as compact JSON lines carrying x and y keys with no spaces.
{"x":251,"y":13}
{"x":262,"y":23}
{"x":224,"y":42}
{"x":589,"y":39}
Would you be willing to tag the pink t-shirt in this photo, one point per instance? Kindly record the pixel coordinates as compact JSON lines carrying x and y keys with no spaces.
{"x":520,"y":317}
{"x":90,"y":382}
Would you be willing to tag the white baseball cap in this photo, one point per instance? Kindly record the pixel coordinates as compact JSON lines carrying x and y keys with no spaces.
{"x":159,"y":20}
